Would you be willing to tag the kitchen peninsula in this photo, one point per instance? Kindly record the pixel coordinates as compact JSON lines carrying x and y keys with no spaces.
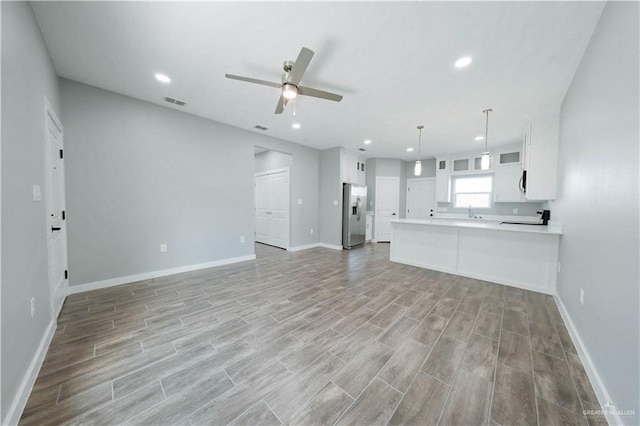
{"x":524,"y":256}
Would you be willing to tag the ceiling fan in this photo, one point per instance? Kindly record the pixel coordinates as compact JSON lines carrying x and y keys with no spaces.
{"x":290,"y":86}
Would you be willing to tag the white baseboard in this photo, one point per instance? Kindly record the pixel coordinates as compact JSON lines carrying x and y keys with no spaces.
{"x":155,"y":274}
{"x":314,"y":245}
{"x":330,"y":246}
{"x":305,"y":247}
{"x":598,"y":385}
{"x":21,"y":397}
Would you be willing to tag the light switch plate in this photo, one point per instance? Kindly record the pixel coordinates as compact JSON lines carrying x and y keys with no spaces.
{"x":37,"y":193}
{"x":242,"y":238}
{"x":335,"y":202}
{"x":299,"y":201}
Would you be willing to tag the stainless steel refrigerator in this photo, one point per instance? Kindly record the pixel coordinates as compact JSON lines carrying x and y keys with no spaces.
{"x":354,"y":217}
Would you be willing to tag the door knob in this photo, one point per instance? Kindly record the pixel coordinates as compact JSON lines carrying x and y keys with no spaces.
{"x":55,"y":229}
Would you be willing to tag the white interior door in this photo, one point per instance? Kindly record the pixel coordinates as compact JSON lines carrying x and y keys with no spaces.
{"x":272,"y":208}
{"x":387,"y":206}
{"x":421,"y":196}
{"x":55,"y":207}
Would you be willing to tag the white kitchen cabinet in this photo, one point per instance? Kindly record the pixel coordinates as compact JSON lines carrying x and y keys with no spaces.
{"x":476,"y":163}
{"x":507,"y":174}
{"x":352,"y":167}
{"x":506,"y":184}
{"x":362,"y":177}
{"x":461,"y":165}
{"x":443,"y":180}
{"x":469,"y":163}
{"x":541,"y":157}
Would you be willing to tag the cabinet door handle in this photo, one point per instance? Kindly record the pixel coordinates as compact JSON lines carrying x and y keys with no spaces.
{"x":53,"y":228}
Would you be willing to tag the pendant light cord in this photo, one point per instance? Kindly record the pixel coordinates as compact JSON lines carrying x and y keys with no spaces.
{"x":419,"y":139}
{"x":486,"y":133}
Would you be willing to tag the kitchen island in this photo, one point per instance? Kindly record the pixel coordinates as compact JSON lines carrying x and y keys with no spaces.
{"x":524,"y":256}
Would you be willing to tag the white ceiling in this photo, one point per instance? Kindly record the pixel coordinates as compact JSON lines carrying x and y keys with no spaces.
{"x":393,"y":62}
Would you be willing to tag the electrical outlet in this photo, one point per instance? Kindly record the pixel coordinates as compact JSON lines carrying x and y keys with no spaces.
{"x":32,"y":306}
{"x":515,"y":211}
{"x":242,"y":238}
{"x":311,"y":231}
{"x":163,"y":248}
{"x":299,"y":201}
{"x":581,"y":296}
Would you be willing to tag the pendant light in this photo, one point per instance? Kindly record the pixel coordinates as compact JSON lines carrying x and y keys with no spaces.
{"x":418,"y":168}
{"x":485,"y":158}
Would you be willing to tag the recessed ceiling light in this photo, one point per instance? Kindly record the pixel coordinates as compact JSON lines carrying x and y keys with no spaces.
{"x":296,"y":125}
{"x":409,"y":149}
{"x":367,"y":142}
{"x":479,"y":138}
{"x":463,"y":62}
{"x":163,"y":78}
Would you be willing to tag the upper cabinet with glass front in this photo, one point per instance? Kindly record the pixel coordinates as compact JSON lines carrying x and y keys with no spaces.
{"x":468,"y":163}
{"x":508,"y":175}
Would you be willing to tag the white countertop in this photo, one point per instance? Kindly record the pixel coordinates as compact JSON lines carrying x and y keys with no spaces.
{"x":483,"y":224}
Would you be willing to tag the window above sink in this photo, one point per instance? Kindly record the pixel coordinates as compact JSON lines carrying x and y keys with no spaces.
{"x":473,"y":191}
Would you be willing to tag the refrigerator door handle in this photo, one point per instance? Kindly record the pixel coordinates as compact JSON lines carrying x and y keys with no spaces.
{"x":358,"y":208}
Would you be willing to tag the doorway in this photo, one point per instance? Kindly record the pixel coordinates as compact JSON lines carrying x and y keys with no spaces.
{"x":272,"y":207}
{"x":387,"y":206}
{"x":421,"y":196}
{"x":55,"y":206}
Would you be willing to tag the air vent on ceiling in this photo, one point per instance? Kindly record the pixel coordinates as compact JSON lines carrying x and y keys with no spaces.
{"x":361,"y":149}
{"x":259,"y":127}
{"x":174,"y":101}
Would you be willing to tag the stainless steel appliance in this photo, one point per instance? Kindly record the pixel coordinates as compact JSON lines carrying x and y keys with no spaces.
{"x":354,"y":217}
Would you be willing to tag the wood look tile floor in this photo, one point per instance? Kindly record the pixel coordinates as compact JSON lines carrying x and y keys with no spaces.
{"x":311,"y":337}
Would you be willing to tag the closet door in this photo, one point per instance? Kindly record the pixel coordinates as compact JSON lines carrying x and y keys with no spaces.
{"x":272,"y":208}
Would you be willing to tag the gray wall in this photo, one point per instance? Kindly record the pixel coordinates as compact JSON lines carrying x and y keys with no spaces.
{"x":598,"y":203}
{"x":330,"y":190}
{"x":271,"y":160}
{"x":27,"y":77}
{"x":140,"y":175}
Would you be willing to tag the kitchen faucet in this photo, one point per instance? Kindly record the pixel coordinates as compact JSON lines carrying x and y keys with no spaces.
{"x":470,"y":212}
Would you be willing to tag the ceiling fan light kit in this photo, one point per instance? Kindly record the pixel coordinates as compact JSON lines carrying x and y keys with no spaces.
{"x":290,"y":87}
{"x":289,"y":91}
{"x":485,"y":157}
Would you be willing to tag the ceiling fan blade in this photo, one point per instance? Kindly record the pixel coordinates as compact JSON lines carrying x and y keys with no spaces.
{"x":307,"y":91}
{"x":253,"y":80}
{"x":300,"y":66}
{"x":282,"y":103}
